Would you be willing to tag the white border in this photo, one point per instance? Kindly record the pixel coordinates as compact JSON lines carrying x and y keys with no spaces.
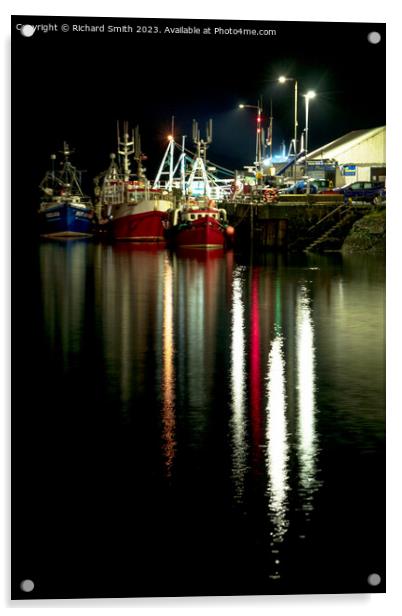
{"x":314,"y":10}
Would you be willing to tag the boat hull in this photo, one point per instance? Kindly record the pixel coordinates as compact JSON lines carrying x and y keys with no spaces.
{"x":140,"y":226}
{"x":205,"y":234}
{"x":66,"y":220}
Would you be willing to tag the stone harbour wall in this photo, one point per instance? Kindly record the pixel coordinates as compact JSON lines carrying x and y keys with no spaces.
{"x":367,"y":234}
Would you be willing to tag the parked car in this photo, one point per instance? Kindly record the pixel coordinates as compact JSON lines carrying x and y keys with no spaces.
{"x":285,"y":182}
{"x":373,"y":192}
{"x":299,"y":188}
{"x":322,"y":184}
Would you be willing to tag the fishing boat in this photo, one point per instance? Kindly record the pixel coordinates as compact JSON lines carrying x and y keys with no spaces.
{"x":65,"y":212}
{"x":134,"y":210}
{"x":198,"y":223}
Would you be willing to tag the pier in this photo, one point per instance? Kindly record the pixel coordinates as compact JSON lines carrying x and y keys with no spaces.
{"x":295,"y":222}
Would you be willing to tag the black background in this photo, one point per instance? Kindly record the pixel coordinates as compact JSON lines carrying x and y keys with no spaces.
{"x":73,"y":87}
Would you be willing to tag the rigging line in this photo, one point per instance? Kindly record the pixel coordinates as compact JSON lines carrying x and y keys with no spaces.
{"x":193,"y":155}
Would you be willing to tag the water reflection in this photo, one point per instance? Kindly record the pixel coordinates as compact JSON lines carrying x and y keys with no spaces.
{"x":306,"y":387}
{"x":241,"y":379}
{"x":131,"y":321}
{"x":277,"y":446}
{"x":238,"y":382}
{"x":256,"y":412}
{"x":168,"y":383}
{"x":277,"y":452}
{"x":197,"y":308}
{"x":63,"y":284}
{"x":192,"y":291}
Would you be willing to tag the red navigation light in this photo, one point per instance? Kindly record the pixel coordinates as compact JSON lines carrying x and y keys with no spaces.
{"x":259,"y":119}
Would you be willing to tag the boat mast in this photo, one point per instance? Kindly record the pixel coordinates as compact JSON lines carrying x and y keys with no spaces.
{"x":171,"y":157}
{"x":53,"y":171}
{"x":69,"y":174}
{"x":183,"y":165}
{"x":270,"y":134}
{"x":113,"y":171}
{"x":199,"y":172}
{"x":167,"y":165}
{"x":125,"y":148}
{"x":167,"y":162}
{"x":138,"y":155}
{"x":50,"y":181}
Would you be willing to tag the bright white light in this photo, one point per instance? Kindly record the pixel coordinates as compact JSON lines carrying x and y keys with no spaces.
{"x":282,"y":79}
{"x":307,"y":446}
{"x":310,"y":94}
{"x":277,"y":446}
{"x":241,"y":106}
{"x":238,"y":386}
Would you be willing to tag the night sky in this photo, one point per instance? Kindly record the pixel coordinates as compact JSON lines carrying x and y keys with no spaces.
{"x":74,"y":86}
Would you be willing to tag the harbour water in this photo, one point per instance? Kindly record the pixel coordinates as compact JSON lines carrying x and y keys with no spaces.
{"x":204,"y":424}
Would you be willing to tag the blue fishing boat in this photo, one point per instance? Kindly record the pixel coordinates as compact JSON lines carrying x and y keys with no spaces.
{"x":65,"y":211}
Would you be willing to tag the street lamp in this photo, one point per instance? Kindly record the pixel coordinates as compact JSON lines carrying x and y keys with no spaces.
{"x":258,"y":141}
{"x":283,"y":79}
{"x":307,"y":97}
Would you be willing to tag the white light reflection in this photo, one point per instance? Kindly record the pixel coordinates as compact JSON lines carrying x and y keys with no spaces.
{"x":168,"y":383}
{"x":307,"y":441}
{"x":238,"y":379}
{"x":277,"y":452}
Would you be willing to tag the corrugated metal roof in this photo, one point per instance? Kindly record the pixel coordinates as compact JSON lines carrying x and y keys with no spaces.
{"x":356,"y":136}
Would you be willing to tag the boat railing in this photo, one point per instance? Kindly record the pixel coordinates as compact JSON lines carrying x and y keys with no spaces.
{"x":112,"y":198}
{"x":76,"y":200}
{"x":150,"y":194}
{"x":80,"y":200}
{"x":216,"y":193}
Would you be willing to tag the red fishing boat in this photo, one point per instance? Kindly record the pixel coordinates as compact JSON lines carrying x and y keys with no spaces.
{"x":130,"y":206}
{"x":141,"y":216}
{"x":197,"y":223}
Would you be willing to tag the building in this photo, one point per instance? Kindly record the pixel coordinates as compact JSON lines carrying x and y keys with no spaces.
{"x":357,"y":156}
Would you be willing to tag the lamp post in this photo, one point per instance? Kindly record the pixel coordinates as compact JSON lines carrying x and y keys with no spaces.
{"x":307,"y":97}
{"x":283,"y":79}
{"x":258,"y":141}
